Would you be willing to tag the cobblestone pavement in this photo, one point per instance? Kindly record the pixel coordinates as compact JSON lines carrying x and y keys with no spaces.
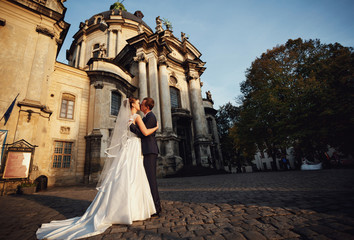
{"x":267,"y":205}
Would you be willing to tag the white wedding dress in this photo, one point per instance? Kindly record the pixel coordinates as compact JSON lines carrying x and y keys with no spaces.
{"x":123,"y":196}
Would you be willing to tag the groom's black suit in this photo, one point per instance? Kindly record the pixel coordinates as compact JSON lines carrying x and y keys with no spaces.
{"x":150,"y":151}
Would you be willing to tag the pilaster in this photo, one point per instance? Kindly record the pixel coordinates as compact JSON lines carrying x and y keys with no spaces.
{"x":97,"y":105}
{"x":37,"y":75}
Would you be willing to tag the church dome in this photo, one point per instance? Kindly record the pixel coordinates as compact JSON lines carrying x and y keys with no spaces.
{"x":137,"y":17}
{"x":104,"y":35}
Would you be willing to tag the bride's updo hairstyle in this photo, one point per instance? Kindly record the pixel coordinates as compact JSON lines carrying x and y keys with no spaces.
{"x":132,"y":100}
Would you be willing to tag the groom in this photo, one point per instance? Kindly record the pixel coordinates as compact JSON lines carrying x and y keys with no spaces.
{"x":149,"y":149}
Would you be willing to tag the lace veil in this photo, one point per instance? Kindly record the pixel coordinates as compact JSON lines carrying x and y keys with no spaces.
{"x":118,"y":142}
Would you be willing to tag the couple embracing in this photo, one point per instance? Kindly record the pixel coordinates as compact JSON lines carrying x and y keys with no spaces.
{"x":127,"y":188}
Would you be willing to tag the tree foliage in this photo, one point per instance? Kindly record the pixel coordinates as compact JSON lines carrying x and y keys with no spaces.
{"x":298,"y":94}
{"x":227,"y":117}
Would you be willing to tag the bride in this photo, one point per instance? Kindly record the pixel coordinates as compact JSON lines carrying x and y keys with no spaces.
{"x":123,"y":189}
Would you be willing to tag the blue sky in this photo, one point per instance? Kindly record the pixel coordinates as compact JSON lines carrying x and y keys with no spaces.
{"x":231,"y":34}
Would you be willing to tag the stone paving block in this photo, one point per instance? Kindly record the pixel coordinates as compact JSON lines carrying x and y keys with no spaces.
{"x":208,"y":220}
{"x":254,"y":235}
{"x":168,"y":224}
{"x":220,"y":231}
{"x":170,"y":235}
{"x":119,"y":229}
{"x":178,"y":229}
{"x":247,"y":227}
{"x":197,"y":238}
{"x":224,"y":225}
{"x":234,"y":236}
{"x":163,"y":230}
{"x":112,"y":236}
{"x":289,"y":233}
{"x":194,"y":227}
{"x":266,"y":227}
{"x":194,"y":221}
{"x":202,"y":232}
{"x":98,"y":237}
{"x":150,"y":237}
{"x":186,"y":234}
{"x":213,"y":237}
{"x":234,"y":229}
{"x":271,"y":234}
{"x":153,"y":226}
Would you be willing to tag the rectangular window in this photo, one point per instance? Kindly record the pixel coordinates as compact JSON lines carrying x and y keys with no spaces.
{"x":67,"y":106}
{"x":115,"y":103}
{"x":96,"y":50}
{"x":62,"y":154}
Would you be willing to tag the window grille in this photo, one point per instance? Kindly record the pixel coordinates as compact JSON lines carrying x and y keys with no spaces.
{"x":175,"y":98}
{"x":62,"y":154}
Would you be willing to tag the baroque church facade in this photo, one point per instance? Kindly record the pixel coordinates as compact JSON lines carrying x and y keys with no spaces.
{"x":68,"y":111}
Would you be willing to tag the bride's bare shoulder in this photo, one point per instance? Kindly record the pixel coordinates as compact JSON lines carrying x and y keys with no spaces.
{"x":137,"y":116}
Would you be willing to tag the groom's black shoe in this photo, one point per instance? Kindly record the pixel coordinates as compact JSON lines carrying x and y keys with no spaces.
{"x":155,"y":215}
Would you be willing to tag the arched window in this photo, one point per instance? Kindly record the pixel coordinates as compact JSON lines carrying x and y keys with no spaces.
{"x":175,"y":98}
{"x":67,"y":106}
{"x":98,"y":20}
{"x":116,"y":99}
{"x":96,"y":50}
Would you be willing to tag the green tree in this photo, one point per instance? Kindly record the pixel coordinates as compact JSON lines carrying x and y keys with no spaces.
{"x":299,"y":94}
{"x":225,"y":118}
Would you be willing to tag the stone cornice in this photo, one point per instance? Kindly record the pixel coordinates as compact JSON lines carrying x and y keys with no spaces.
{"x":38,"y":7}
{"x":45,"y":31}
{"x":98,"y":76}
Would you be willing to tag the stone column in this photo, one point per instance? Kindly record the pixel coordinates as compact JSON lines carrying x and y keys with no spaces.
{"x":165,"y":96}
{"x":82,"y":59}
{"x":219,"y":164}
{"x":197,"y":108}
{"x":154,"y":86}
{"x":141,"y":59}
{"x":201,"y":140}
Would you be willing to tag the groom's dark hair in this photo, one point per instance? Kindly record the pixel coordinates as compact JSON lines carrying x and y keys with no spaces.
{"x":149,"y":103}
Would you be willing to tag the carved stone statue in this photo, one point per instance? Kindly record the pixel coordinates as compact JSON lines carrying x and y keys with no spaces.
{"x":102,"y":51}
{"x":208,"y":95}
{"x":183,"y":37}
{"x":158,"y":25}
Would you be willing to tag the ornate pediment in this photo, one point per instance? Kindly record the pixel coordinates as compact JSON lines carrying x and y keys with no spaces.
{"x":21,"y":145}
{"x":176,"y":54}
